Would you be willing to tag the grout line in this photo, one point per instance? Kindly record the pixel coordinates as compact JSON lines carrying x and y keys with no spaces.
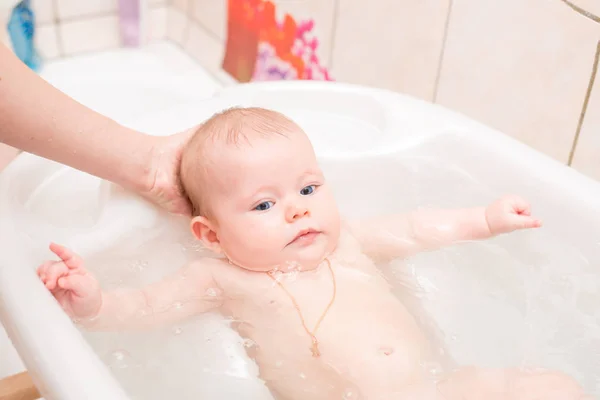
{"x":59,"y":39}
{"x":334,"y":26}
{"x":92,"y":15}
{"x":208,"y":31}
{"x":87,"y":17}
{"x":586,"y":101}
{"x":436,"y":84}
{"x":220,"y":80}
{"x":582,"y":11}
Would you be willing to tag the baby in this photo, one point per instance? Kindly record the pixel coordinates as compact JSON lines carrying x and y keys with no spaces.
{"x":303,"y":283}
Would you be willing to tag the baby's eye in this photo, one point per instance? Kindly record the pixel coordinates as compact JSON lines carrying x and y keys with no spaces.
{"x":308,"y":190}
{"x":265,"y":205}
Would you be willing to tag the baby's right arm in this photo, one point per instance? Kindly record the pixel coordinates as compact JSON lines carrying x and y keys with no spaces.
{"x":172,"y":299}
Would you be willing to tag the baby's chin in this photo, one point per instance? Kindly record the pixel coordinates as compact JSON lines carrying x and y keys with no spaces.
{"x":301,"y":257}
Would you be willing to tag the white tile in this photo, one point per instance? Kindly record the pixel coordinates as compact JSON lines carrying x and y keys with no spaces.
{"x":177,"y":25}
{"x":212,"y":14}
{"x":4,"y":16}
{"x":68,"y":9}
{"x":46,"y":41}
{"x":44,"y":11}
{"x":90,"y":34}
{"x":203,"y":47}
{"x":158,"y":22}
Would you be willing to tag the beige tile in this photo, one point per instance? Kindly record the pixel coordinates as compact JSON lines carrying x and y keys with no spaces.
{"x":204,"y":48}
{"x":44,"y":11}
{"x":69,"y":9}
{"x":521,"y":67}
{"x":91,"y":34}
{"x":587,"y":153}
{"x":46,"y":40}
{"x":182,"y":4}
{"x":177,"y":25}
{"x":394,"y":44}
{"x":212,"y":14}
{"x":7,"y":154}
{"x":158,"y":22}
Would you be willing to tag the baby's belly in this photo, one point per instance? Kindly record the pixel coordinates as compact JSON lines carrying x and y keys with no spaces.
{"x":379,"y":345}
{"x":367,"y":342}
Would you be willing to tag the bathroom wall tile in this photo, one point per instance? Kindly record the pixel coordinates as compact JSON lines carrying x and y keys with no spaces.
{"x":394,"y":44}
{"x":521,"y":67}
{"x":69,"y":9}
{"x":204,"y":48}
{"x":177,"y":25}
{"x":182,"y":5}
{"x":212,"y":14}
{"x":590,"y":6}
{"x":44,"y":11}
{"x":90,"y":34}
{"x":46,"y":40}
{"x":587,"y":153}
{"x":158,"y":22}
{"x":4,"y":16}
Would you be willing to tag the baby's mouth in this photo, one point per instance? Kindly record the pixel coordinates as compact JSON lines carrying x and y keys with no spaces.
{"x":305,"y":236}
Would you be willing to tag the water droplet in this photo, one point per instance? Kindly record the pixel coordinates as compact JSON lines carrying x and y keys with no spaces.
{"x":139,"y":265}
{"x":432,"y":368}
{"x":178,"y":305}
{"x":248,"y":343}
{"x":349,"y":394}
{"x":278,"y":364}
{"x":119,"y":359}
{"x":143,"y":312}
{"x":177,"y":331}
{"x":213,"y":292}
{"x":302,"y":376}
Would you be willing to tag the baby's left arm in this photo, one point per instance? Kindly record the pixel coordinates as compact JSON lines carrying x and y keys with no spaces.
{"x":394,"y":236}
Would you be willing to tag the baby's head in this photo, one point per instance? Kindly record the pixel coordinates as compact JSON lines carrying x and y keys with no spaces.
{"x":258,"y":193}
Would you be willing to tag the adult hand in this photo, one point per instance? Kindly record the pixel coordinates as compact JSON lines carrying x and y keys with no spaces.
{"x":165,"y":187}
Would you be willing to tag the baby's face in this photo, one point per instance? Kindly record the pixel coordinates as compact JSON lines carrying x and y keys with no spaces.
{"x":271,"y":207}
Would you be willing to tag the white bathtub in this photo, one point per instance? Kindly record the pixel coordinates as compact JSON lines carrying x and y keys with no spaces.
{"x":526,"y":299}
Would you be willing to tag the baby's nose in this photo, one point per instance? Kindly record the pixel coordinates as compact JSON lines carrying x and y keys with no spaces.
{"x":295,"y":213}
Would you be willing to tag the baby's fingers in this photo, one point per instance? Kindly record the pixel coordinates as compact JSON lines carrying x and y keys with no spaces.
{"x":71,"y":260}
{"x":526,"y":222}
{"x":42,"y":270}
{"x":80,"y":285}
{"x":53,"y":273}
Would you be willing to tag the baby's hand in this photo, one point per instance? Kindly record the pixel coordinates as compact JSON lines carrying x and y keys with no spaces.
{"x":508,"y":214}
{"x":77,"y":291}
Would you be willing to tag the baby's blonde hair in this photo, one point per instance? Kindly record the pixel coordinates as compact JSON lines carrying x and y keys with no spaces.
{"x":233,"y":126}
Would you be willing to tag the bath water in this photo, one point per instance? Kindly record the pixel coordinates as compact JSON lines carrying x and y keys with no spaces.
{"x":525,"y":299}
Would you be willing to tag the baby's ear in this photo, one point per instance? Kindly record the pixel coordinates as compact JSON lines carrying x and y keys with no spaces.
{"x":204,"y":231}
